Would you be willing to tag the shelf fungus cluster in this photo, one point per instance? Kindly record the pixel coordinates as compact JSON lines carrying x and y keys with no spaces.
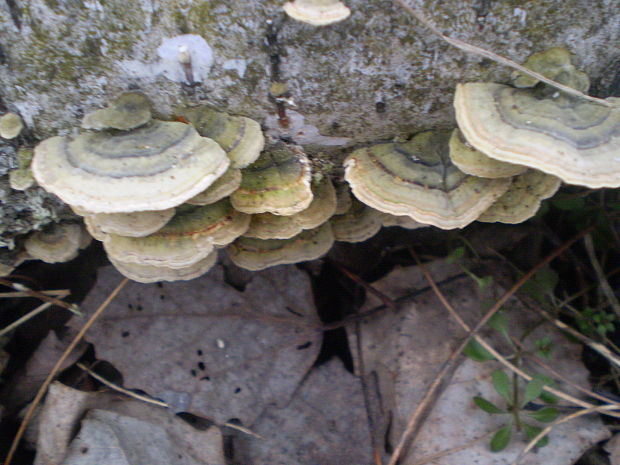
{"x":513,"y":148}
{"x":156,"y":193}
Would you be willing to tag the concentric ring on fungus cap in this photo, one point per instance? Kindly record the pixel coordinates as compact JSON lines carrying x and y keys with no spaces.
{"x":154,"y":167}
{"x":417,"y":179}
{"x":573,"y":139}
{"x":317,"y":12}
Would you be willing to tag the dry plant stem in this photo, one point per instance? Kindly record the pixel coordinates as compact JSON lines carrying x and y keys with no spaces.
{"x":600,"y":274}
{"x":37,"y":294}
{"x":572,"y":416}
{"x":43,"y":389}
{"x":420,"y":16}
{"x":26,"y":317}
{"x":380,"y":295}
{"x":564,"y":379}
{"x":376,"y":450}
{"x":412,"y":422}
{"x":54,"y":293}
{"x":150,"y":400}
{"x":596,"y":346}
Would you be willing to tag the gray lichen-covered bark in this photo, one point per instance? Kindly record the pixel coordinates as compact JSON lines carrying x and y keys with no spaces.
{"x":377,"y":75}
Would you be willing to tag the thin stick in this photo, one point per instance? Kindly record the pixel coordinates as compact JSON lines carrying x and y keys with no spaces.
{"x":26,"y":317}
{"x":150,"y":400}
{"x":369,"y":287}
{"x":572,"y":416}
{"x":38,"y":295}
{"x":55,"y":293}
{"x":43,"y":389}
{"x":420,"y":16}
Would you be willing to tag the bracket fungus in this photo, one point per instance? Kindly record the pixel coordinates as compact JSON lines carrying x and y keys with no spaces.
{"x":150,"y":274}
{"x":57,"y":243}
{"x":278,"y":182}
{"x":576,"y":140}
{"x":223,"y":186}
{"x":472,"y":161}
{"x":522,"y":199}
{"x":190,"y":236}
{"x":402,"y":221}
{"x":134,"y":224}
{"x":154,"y":167}
{"x":11,"y":125}
{"x":417,"y":179}
{"x":554,"y":63}
{"x":317,"y":12}
{"x":257,"y":254}
{"x":21,"y":178}
{"x":128,"y":111}
{"x":241,"y":137}
{"x":322,"y":207}
{"x":357,"y":224}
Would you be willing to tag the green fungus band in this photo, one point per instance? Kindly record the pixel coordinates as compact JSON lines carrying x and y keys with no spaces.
{"x":278,"y":182}
{"x":419,"y":180}
{"x":240,"y":137}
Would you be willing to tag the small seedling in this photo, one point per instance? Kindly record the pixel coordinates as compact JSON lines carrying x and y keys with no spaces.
{"x":519,"y":408}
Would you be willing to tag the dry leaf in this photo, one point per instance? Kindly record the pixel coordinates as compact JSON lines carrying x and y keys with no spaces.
{"x":221,"y":353}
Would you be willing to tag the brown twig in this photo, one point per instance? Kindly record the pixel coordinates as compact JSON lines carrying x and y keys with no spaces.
{"x":420,"y":16}
{"x":370,"y":288}
{"x":43,"y":389}
{"x":38,"y":295}
{"x":412,"y":422}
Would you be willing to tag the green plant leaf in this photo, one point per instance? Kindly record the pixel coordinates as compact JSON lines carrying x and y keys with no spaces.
{"x":533,"y":389}
{"x":545,"y":414}
{"x":544,"y":346}
{"x":456,"y":255}
{"x":487,"y":405}
{"x":542,"y":283}
{"x":502,"y":385}
{"x":548,"y":398}
{"x":499,"y":322}
{"x":532,"y":431}
{"x":483,"y":283}
{"x":501,"y":438}
{"x":476,"y":352}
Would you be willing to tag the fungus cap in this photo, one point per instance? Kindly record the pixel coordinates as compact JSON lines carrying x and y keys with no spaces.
{"x":134,"y":224}
{"x":241,"y":137}
{"x":151,"y":274}
{"x":188,"y":237}
{"x":554,"y":63}
{"x":359,"y":223}
{"x":522,"y":199}
{"x":154,"y":167}
{"x":322,"y":207}
{"x":576,"y":140}
{"x":317,"y":12}
{"x":278,"y":182}
{"x":128,"y":111}
{"x":21,"y":178}
{"x":258,"y":254}
{"x":225,"y":185}
{"x":57,"y":243}
{"x":418,"y":179}
{"x":402,"y":221}
{"x":10,"y":125}
{"x":473,"y":162}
